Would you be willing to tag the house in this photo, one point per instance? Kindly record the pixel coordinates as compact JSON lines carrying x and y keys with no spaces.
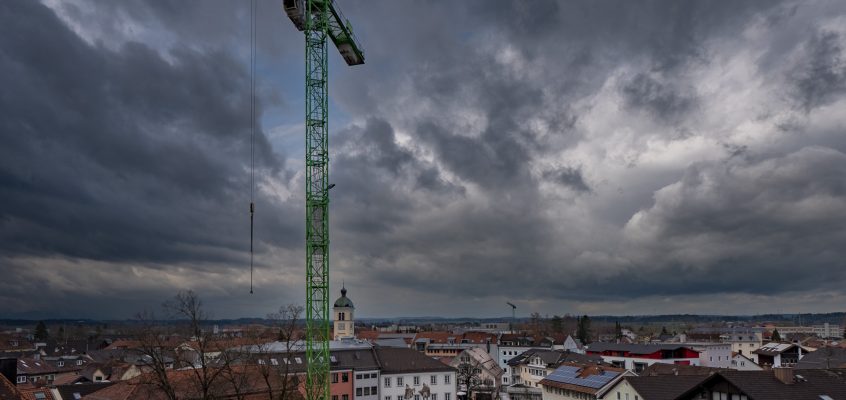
{"x":776,"y":354}
{"x":448,"y":344}
{"x":39,"y":371}
{"x":573,"y":345}
{"x":77,"y":391}
{"x":743,"y":340}
{"x":656,"y":387}
{"x":717,"y":355}
{"x":775,"y":384}
{"x":531,"y":366}
{"x":743,"y":363}
{"x":512,"y":345}
{"x":102,"y":372}
{"x":408,"y":374}
{"x":824,"y":358}
{"x":478,"y":374}
{"x":574,"y":381}
{"x":637,"y":357}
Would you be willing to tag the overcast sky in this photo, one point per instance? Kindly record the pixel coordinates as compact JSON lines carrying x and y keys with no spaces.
{"x":569,"y":157}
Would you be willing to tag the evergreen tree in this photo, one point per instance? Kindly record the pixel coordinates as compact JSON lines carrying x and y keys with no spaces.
{"x":583,"y":329}
{"x":776,"y":336}
{"x":41,"y":331}
{"x":557,"y":324}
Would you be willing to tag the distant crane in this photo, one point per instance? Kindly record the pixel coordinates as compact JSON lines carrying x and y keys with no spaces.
{"x":513,"y":315}
{"x":319,"y":20}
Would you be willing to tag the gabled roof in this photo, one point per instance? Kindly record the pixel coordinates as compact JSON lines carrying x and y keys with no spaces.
{"x":69,"y":392}
{"x":774,"y":348}
{"x":8,"y":389}
{"x":664,"y":386}
{"x":395,"y":361}
{"x":583,"y":378}
{"x":809,"y":384}
{"x":553,"y":358}
{"x":826,"y":357}
{"x":634,"y":348}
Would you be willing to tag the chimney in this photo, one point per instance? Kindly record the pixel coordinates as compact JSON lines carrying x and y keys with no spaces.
{"x":785,"y":375}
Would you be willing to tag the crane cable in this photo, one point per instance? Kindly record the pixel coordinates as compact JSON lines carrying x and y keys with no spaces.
{"x":253,"y":127}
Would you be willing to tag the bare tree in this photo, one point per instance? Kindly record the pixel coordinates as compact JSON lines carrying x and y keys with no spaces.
{"x":155,"y":354}
{"x":276,"y":362}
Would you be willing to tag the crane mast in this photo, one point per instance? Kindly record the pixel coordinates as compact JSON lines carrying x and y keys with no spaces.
{"x":319,"y":20}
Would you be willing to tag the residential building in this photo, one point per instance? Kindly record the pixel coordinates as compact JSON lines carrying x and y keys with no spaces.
{"x":574,"y":345}
{"x":344,"y":310}
{"x":775,"y":384}
{"x":478,"y":374}
{"x":533,"y":365}
{"x":716,"y":355}
{"x":743,"y":340}
{"x":742,"y":363}
{"x":44,"y":370}
{"x":574,"y":381}
{"x":776,"y":354}
{"x":825,"y":331}
{"x":407,"y":374}
{"x":512,"y":345}
{"x":657,"y":387}
{"x":448,"y":344}
{"x":637,"y":357}
{"x":823,"y":358}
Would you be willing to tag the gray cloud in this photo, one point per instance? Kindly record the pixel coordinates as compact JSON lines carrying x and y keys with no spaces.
{"x":570,"y":156}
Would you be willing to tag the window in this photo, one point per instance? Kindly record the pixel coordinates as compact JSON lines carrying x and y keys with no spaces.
{"x":22,"y":379}
{"x":433,"y":379}
{"x":434,"y":396}
{"x":358,"y":376}
{"x":298,"y":360}
{"x":98,"y":378}
{"x":400,"y":397}
{"x":399,"y":381}
{"x":416,"y":397}
{"x":61,"y":363}
{"x":447,"y":396}
{"x":40,"y":396}
{"x":335,"y":380}
{"x":387,"y":397}
{"x":387,"y":382}
{"x":618,"y":395}
{"x":345,"y":397}
{"x":341,"y":317}
{"x":345,"y":377}
{"x":446,"y":381}
{"x":335,"y":397}
{"x":275,"y":362}
{"x":416,"y":381}
{"x":261,"y":361}
{"x":366,"y":391}
{"x":78,"y":362}
{"x":358,"y":392}
{"x":373,"y":390}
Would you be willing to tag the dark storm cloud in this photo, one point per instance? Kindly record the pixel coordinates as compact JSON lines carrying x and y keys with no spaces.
{"x":121,"y":155}
{"x":661,"y":99}
{"x":821,"y":77}
{"x":776,"y":221}
{"x":570,"y":177}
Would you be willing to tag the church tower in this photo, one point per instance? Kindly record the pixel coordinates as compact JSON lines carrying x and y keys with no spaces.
{"x":344,"y":321}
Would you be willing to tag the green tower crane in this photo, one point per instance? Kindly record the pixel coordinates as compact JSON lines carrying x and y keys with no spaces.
{"x":319,"y":20}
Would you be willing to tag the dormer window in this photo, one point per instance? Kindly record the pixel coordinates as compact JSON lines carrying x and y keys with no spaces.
{"x":22,"y":379}
{"x":61,"y":363}
{"x":78,"y":362}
